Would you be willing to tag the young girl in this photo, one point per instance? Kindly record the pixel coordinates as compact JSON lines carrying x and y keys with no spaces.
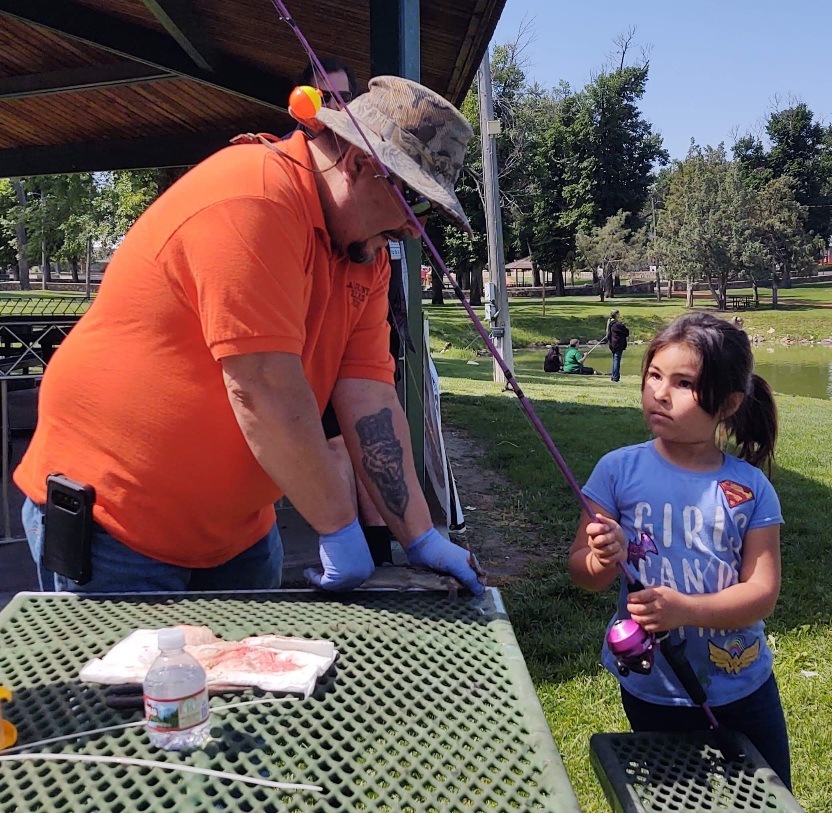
{"x":700,"y":529}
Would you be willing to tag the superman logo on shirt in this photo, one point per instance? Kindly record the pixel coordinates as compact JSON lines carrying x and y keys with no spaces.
{"x":736,"y":493}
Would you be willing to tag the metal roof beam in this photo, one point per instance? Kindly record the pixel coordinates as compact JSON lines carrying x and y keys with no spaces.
{"x":150,"y":47}
{"x":100,"y":156}
{"x":178,"y":19}
{"x":69,"y":80}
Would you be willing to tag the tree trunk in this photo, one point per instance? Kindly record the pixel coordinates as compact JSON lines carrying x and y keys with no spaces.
{"x":786,"y":281}
{"x":560,"y":288}
{"x":73,"y":268}
{"x":658,"y":284}
{"x":463,"y":278}
{"x":689,"y":293}
{"x":475,"y":297}
{"x":535,"y":269}
{"x":774,"y":283}
{"x":714,"y":291}
{"x":436,"y":289}
{"x":20,"y":236}
{"x":44,"y":266}
{"x":609,"y":284}
{"x":756,"y":290}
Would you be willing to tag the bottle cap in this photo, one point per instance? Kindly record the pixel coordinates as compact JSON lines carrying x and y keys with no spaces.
{"x":171,"y":638}
{"x":8,"y":733}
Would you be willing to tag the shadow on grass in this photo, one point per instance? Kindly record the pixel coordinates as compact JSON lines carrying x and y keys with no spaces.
{"x":559,"y":627}
{"x":806,"y":588}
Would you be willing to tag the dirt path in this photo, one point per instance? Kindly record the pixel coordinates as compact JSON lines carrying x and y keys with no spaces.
{"x":480,"y":492}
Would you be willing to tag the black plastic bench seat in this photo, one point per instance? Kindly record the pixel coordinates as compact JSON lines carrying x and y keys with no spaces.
{"x":684,"y":773}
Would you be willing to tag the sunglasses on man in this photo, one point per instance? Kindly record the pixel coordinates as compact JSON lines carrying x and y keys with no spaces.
{"x":329,"y":96}
{"x":420,"y":205}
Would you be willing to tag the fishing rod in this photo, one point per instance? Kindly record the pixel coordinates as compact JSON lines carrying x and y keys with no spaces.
{"x":636,"y":647}
{"x":597,"y":344}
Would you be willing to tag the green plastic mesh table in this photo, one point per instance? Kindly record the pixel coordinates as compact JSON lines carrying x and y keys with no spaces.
{"x":685,"y":773}
{"x":429,"y":707}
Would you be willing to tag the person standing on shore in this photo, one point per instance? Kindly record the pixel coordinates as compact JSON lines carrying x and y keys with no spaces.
{"x":616,"y":337}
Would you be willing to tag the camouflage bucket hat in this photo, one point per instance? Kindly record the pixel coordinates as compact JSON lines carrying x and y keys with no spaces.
{"x":419,"y":136}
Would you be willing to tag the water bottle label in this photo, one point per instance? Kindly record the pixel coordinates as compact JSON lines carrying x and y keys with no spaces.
{"x":176,"y":715}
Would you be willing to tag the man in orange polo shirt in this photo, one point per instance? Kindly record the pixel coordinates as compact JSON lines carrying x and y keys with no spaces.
{"x":248,"y":295}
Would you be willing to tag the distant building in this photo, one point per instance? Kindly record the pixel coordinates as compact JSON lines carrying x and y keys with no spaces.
{"x":516,"y":271}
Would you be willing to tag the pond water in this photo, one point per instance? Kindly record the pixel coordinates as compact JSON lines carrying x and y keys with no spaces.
{"x":791,"y":370}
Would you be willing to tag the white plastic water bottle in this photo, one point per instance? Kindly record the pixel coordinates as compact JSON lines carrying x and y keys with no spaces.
{"x":175,"y":696}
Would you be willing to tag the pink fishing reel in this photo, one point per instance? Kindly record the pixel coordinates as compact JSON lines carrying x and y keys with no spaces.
{"x":632,"y":647}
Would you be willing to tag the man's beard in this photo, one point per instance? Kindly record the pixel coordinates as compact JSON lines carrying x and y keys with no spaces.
{"x":359,"y":253}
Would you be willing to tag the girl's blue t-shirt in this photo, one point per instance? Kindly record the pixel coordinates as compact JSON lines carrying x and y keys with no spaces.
{"x":697,"y":522}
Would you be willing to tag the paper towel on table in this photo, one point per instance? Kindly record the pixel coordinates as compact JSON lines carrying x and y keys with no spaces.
{"x":274,"y":663}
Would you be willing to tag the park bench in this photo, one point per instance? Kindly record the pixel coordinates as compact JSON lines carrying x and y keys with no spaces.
{"x":652,"y":772}
{"x":741,"y":301}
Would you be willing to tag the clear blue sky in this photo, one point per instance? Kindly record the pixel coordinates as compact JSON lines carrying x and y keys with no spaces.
{"x":714,"y":66}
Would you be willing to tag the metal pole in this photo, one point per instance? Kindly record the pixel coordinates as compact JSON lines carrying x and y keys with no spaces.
{"x":395,"y":48}
{"x":4,"y":408}
{"x":498,"y":311}
{"x":43,"y":283}
{"x":88,"y":286}
{"x":655,"y":253}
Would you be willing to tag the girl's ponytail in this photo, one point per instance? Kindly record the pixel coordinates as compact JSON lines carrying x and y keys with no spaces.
{"x":754,"y":425}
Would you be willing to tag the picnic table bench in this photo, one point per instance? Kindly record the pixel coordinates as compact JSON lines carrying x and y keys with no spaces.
{"x":653,"y":772}
{"x":741,"y":301}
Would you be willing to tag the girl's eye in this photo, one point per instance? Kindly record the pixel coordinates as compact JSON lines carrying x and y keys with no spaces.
{"x":688,"y":385}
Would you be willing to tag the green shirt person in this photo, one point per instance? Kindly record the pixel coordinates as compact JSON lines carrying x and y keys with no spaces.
{"x":573,"y":360}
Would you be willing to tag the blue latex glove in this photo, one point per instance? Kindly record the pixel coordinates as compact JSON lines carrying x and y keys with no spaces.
{"x":346,"y":559}
{"x":434,"y":551}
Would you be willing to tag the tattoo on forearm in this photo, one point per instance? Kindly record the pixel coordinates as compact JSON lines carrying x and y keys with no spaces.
{"x":383,"y":459}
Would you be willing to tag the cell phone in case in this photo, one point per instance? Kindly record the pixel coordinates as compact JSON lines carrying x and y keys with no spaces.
{"x":68,"y":527}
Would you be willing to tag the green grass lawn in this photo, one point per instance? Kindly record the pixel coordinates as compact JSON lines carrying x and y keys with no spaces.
{"x":560,"y":628}
{"x":585,"y":318}
{"x":38,"y":303}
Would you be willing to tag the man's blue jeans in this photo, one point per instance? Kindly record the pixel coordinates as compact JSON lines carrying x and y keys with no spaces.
{"x":616,"y":365}
{"x":119,"y":569}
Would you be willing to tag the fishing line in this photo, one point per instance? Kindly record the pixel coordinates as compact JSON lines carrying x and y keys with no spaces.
{"x":674,"y":655}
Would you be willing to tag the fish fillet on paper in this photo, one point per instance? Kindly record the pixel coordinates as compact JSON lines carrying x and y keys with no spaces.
{"x":273,"y":663}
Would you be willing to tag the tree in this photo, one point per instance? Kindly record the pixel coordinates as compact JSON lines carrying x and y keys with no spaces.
{"x":52,"y":217}
{"x":704,"y":229}
{"x":566,"y":161}
{"x":538,"y":205}
{"x":611,"y":148}
{"x":11,"y":230}
{"x":799,"y":149}
{"x":782,"y":244}
{"x":122,"y":198}
{"x":611,"y":248}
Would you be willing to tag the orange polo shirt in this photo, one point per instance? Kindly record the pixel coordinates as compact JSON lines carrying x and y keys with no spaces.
{"x":233,"y":259}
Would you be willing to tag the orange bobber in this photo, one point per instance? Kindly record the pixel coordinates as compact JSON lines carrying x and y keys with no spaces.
{"x":305,"y":102}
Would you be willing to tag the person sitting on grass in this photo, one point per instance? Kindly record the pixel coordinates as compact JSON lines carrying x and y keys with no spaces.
{"x":573,"y":360}
{"x":553,"y":362}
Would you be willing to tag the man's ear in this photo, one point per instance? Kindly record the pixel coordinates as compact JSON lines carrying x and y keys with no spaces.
{"x":355,"y":162}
